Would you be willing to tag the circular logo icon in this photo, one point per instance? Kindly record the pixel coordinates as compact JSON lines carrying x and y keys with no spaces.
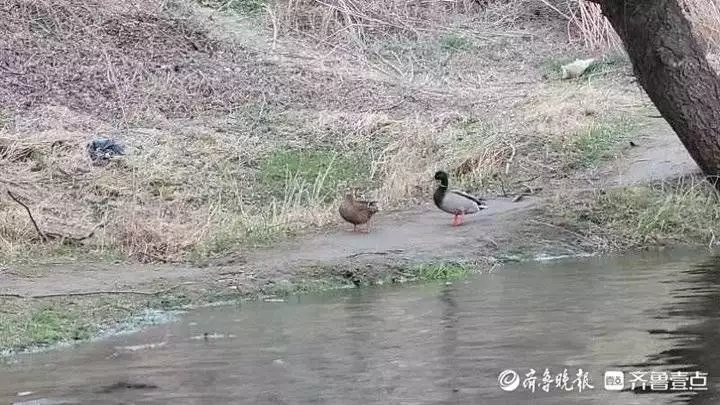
{"x":509,"y":380}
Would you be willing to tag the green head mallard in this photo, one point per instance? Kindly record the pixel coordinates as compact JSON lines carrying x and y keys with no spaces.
{"x":455,"y":202}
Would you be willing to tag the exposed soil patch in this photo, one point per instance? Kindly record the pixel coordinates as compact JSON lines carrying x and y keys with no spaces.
{"x":658,"y":155}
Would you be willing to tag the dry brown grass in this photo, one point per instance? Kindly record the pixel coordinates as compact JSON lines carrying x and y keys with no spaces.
{"x":705,"y":16}
{"x":587,"y":24}
{"x":372,"y":94}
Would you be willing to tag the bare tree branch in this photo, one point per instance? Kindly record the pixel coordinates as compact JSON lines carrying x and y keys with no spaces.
{"x":37,"y":228}
{"x":48,"y":236}
{"x":88,"y":293}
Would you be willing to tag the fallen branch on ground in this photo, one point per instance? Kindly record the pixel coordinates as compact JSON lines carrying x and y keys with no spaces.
{"x":386,"y":252}
{"x":88,"y":293}
{"x":32,"y":219}
{"x":48,"y":236}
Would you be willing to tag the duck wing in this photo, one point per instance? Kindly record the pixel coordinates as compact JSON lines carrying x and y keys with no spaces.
{"x":478,"y":200}
{"x":370,"y":206}
{"x":456,"y":201}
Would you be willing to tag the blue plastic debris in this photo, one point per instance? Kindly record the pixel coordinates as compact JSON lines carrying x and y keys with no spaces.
{"x":102,"y":150}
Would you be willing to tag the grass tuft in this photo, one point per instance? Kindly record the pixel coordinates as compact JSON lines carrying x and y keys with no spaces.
{"x":685,"y":211}
{"x":243,"y":7}
{"x":440,"y":271}
{"x":454,"y":42}
{"x":610,"y":64}
{"x":48,"y":326}
{"x":595,"y":143}
{"x":323,"y":171}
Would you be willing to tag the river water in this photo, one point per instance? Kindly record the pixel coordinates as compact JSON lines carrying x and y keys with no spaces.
{"x":434,"y":343}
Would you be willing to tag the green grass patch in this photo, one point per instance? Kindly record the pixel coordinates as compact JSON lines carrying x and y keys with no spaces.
{"x":607,"y":65}
{"x":48,"y":326}
{"x":327,"y":277}
{"x":440,"y":271}
{"x":47,"y":322}
{"x":312,"y":175}
{"x":595,"y":143}
{"x":685,"y":212}
{"x":455,"y":43}
{"x":38,"y":323}
{"x":612,"y":63}
{"x":244,"y":7}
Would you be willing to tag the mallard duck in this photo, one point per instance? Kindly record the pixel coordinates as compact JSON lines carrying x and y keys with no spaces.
{"x":357,"y":212}
{"x":455,"y":202}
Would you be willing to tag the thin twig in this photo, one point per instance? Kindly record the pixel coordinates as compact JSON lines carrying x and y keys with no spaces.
{"x":386,"y":252}
{"x":47,"y":236}
{"x":87,"y":293}
{"x":37,"y":228}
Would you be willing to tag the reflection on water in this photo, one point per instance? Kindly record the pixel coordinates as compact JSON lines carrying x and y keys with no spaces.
{"x":696,"y":297}
{"x":428,"y":344}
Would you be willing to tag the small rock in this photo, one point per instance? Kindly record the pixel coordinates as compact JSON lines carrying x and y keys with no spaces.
{"x":576,"y":68}
{"x":207,"y":336}
{"x":101,"y":150}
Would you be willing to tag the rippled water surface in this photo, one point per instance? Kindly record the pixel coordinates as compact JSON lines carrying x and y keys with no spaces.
{"x":423,"y":344}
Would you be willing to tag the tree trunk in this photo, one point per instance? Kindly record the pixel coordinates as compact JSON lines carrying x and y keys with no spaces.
{"x":671,"y":66}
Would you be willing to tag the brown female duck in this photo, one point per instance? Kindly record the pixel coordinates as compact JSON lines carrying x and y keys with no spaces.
{"x":357,"y":212}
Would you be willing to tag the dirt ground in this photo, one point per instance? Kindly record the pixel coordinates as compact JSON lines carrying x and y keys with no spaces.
{"x":659,"y":155}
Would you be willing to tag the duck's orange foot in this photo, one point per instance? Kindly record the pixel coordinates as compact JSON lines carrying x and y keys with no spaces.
{"x":457,"y":220}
